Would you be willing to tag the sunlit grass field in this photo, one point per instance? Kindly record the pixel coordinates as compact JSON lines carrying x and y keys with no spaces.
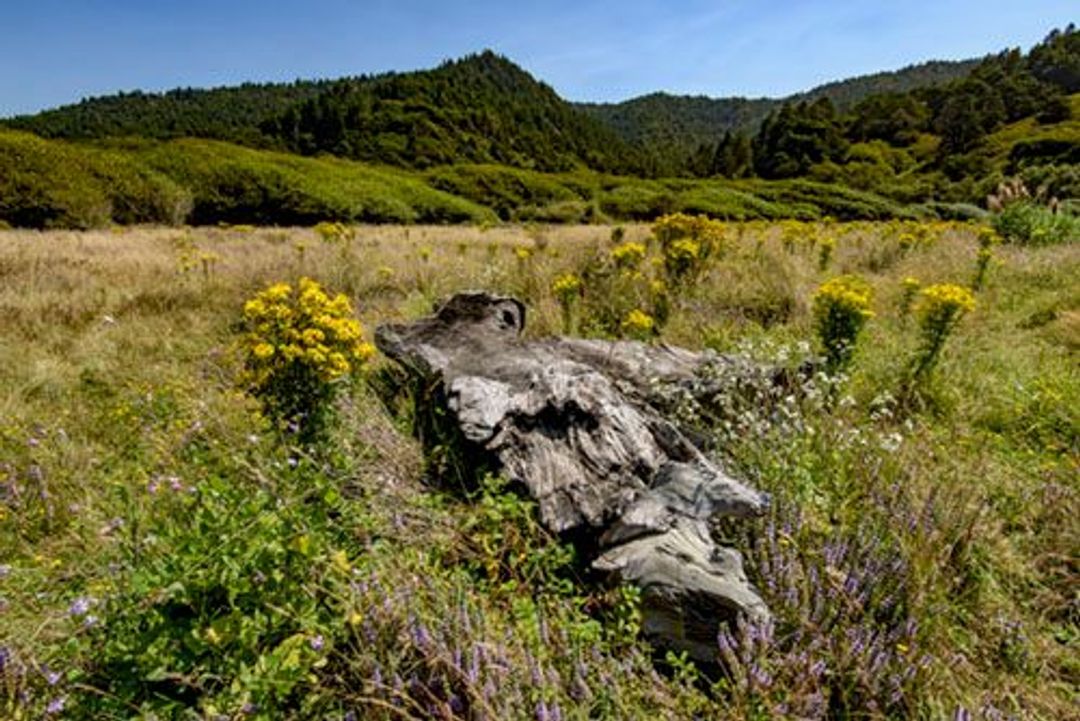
{"x":166,"y":553}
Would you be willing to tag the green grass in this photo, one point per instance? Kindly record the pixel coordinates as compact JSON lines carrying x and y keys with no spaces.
{"x":168,"y":555}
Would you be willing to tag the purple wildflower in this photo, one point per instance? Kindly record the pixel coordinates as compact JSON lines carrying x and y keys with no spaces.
{"x":79,"y":607}
{"x":317,"y":643}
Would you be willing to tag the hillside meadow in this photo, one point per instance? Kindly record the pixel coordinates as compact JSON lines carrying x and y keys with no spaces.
{"x":168,"y":552}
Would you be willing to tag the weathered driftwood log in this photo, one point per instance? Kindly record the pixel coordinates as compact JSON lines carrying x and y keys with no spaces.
{"x":577,"y":423}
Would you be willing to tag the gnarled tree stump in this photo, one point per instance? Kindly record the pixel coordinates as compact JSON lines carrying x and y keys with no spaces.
{"x":578,"y":424}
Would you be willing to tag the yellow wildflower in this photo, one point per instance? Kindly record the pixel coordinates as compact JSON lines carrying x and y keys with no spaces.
{"x":628,"y":254}
{"x":566,"y":287}
{"x":944,"y":298}
{"x":638,"y":323}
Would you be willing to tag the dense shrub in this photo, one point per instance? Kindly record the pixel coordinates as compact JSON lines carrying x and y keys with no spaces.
{"x":1026,"y":222}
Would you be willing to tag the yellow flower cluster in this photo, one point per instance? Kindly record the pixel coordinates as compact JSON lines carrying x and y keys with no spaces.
{"x":944,"y":300}
{"x":938,"y":310}
{"x":334,"y":232}
{"x":566,"y":287}
{"x":849,"y":292}
{"x":988,"y":237}
{"x":685,"y":249}
{"x":638,"y":324}
{"x":687,"y":242}
{"x":303,"y":325}
{"x":841,"y":309}
{"x":628,"y":254}
{"x":679,"y":225}
{"x":796,"y":233}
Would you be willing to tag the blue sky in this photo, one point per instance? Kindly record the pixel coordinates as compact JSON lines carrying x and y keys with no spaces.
{"x":58,"y":51}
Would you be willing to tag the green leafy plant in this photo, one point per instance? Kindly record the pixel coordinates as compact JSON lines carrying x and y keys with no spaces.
{"x":825,"y":252}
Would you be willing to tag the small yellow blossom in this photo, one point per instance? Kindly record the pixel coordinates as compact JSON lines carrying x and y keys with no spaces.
{"x":944,"y":299}
{"x":566,"y":287}
{"x":628,"y":254}
{"x":340,"y":561}
{"x":638,"y":323}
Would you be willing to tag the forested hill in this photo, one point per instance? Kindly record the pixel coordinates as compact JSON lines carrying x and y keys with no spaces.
{"x":845,"y":94}
{"x":482,"y":108}
{"x":228,"y":113}
{"x":677,"y":124}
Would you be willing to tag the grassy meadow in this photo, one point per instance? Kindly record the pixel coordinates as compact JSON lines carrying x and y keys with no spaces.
{"x":167,"y":552}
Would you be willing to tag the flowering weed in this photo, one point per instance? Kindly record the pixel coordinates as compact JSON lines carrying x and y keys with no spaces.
{"x":299,"y":344}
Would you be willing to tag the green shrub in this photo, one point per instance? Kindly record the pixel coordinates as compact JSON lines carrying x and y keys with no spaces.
{"x":238,"y":185}
{"x":637,"y":200}
{"x":1026,"y":222}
